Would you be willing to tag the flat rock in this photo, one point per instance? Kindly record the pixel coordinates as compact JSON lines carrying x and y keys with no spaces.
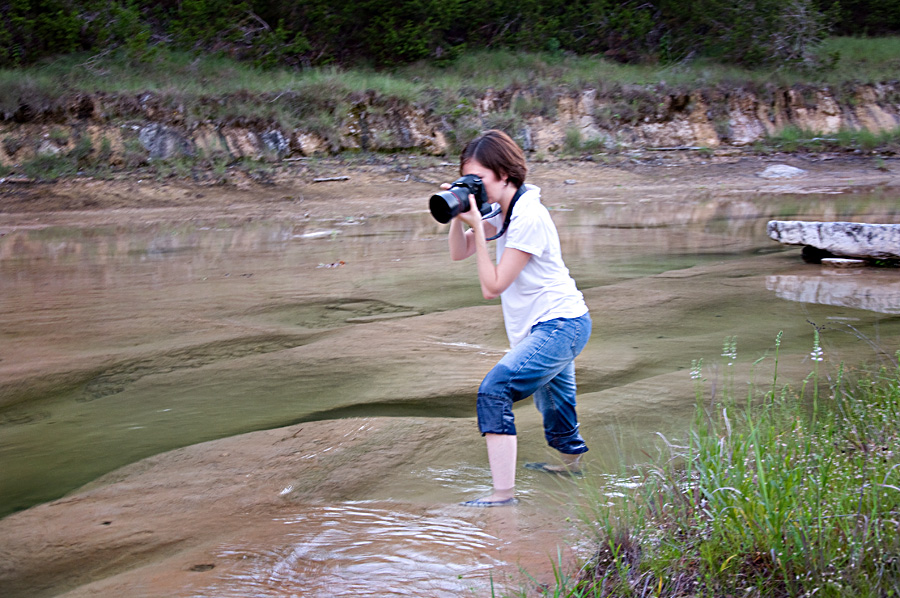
{"x":782,"y":171}
{"x":841,"y":239}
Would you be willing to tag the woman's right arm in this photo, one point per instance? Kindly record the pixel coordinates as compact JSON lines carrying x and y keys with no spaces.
{"x":462,"y":241}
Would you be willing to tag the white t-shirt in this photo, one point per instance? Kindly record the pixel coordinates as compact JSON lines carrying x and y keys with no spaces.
{"x":544,"y":290}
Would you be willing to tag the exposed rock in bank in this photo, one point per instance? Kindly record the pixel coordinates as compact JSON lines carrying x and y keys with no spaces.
{"x":124,"y":128}
{"x":842,"y":239}
{"x":162,"y":142}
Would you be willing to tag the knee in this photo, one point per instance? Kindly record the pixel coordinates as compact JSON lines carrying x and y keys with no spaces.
{"x":496,"y":383}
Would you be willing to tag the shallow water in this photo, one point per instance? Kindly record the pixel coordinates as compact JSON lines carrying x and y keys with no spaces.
{"x":363,"y":549}
{"x":123,"y":342}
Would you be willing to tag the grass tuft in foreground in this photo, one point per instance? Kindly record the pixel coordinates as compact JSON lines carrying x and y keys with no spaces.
{"x":792,"y":493}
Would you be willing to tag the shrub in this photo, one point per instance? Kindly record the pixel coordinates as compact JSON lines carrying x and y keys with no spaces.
{"x":319,"y":32}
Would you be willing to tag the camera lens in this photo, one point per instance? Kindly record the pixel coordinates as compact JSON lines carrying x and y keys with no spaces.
{"x":447,"y":204}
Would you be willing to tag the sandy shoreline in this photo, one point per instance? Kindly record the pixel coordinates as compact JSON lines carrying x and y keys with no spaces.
{"x":403,"y":186}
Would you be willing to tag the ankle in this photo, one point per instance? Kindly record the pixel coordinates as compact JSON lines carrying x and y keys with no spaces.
{"x":504,"y":494}
{"x":570,"y":460}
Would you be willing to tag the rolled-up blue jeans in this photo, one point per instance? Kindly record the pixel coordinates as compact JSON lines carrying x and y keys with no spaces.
{"x":543,"y":365}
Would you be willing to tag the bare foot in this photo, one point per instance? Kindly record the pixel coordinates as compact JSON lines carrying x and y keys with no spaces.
{"x":570,"y":466}
{"x":499,"y":498}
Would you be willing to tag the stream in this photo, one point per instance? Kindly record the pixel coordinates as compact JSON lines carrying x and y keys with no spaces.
{"x":125,"y":341}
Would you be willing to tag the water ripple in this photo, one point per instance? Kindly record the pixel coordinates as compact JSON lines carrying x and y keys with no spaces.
{"x":360,"y":550}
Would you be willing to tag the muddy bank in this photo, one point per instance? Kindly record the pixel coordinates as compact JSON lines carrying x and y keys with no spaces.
{"x":349,"y":187}
{"x":318,"y":506}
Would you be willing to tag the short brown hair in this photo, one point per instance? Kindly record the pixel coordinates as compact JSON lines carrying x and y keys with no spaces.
{"x":497,"y":151}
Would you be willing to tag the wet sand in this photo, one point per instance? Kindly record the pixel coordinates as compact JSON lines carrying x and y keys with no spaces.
{"x":366,"y":506}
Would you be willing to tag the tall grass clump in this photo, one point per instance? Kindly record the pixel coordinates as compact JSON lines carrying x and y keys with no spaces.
{"x":793,"y":139}
{"x":791,"y":491}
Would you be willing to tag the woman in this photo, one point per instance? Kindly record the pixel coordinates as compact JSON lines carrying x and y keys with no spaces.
{"x":546,"y":319}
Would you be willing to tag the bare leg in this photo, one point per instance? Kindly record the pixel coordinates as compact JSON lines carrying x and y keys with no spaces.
{"x":501,"y":450}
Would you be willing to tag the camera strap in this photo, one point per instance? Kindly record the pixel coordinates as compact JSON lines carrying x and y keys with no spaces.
{"x":506,"y":220}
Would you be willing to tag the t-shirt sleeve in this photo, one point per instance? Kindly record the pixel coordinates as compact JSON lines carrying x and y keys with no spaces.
{"x":527,"y":233}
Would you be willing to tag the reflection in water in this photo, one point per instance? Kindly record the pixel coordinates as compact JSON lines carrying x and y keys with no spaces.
{"x":878,"y":292}
{"x":360,"y":550}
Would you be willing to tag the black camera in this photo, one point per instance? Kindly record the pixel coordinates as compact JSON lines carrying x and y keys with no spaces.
{"x":447,"y":204}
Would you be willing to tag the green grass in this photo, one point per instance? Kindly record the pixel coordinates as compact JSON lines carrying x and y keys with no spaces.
{"x":842,"y":60}
{"x":793,"y":139}
{"x":861,"y":59}
{"x":194,"y":75}
{"x":793,"y":491}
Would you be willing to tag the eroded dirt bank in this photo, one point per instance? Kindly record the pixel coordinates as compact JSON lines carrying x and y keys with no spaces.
{"x":262,"y":513}
{"x":130,"y":128}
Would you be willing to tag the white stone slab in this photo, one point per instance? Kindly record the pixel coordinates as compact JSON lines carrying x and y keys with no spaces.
{"x":842,"y":239}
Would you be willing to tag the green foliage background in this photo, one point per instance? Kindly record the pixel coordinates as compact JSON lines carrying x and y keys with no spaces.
{"x":391,"y":32}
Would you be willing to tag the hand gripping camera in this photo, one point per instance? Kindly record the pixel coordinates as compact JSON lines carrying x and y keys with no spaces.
{"x":447,"y":204}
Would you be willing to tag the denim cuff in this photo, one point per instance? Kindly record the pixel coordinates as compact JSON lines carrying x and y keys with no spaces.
{"x":569,"y":444}
{"x":495,"y":415}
